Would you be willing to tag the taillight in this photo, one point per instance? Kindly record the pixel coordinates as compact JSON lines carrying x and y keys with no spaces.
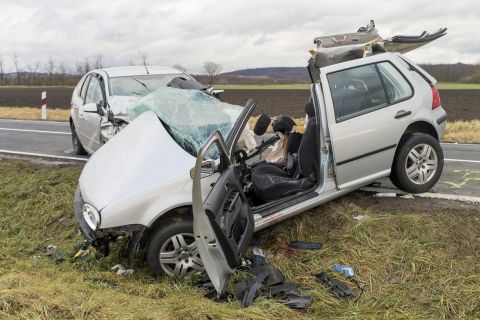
{"x":436,"y":98}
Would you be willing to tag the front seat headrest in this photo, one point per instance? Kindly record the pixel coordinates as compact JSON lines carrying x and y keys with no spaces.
{"x":309,"y":108}
{"x":283,"y":124}
{"x":262,"y":124}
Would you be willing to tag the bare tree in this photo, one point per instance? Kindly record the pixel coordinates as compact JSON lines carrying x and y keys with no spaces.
{"x":50,"y":67}
{"x":98,"y":61}
{"x":83,"y":66}
{"x":36,"y":66}
{"x":143,"y":57}
{"x":212,"y":69}
{"x":62,"y":72}
{"x":17,"y":66}
{"x":2,"y":75}
{"x":180,"y":67}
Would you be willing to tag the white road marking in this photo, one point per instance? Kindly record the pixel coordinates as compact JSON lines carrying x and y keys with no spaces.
{"x":35,"y":131}
{"x":392,"y":193}
{"x":462,"y":160}
{"x":41,"y":155}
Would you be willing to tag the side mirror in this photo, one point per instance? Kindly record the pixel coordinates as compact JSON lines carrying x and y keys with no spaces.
{"x":208,"y":168}
{"x":90,"y":107}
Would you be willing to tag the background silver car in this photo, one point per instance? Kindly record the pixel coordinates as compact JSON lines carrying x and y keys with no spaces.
{"x":101,"y":99}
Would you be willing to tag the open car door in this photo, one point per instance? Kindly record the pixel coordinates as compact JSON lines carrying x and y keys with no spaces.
{"x":223,"y":224}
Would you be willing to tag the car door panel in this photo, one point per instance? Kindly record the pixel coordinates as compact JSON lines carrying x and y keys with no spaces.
{"x":223,"y":224}
{"x":90,"y":121}
{"x":364,"y":145}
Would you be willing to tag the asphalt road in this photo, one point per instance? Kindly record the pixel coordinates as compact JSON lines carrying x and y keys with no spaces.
{"x":52,"y":140}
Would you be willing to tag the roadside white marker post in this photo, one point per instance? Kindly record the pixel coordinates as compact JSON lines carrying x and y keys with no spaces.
{"x":44,"y":105}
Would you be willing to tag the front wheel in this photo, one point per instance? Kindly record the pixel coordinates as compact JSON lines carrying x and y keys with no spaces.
{"x":418,"y":163}
{"x":172,"y":249}
{"x":77,"y":145}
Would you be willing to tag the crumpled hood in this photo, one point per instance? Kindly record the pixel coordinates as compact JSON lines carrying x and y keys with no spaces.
{"x":141,"y":157}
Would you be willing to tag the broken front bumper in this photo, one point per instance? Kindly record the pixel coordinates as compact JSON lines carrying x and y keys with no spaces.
{"x":101,"y":238}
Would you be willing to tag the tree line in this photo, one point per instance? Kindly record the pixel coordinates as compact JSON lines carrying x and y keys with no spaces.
{"x":53,"y":72}
{"x":57,"y":73}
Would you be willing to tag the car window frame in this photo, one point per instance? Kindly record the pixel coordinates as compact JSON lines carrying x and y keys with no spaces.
{"x":384,"y":85}
{"x":85,"y":85}
{"x":101,"y":84}
{"x":366,"y":111}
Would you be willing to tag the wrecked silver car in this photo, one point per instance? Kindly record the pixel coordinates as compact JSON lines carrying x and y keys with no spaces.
{"x":181,"y":180}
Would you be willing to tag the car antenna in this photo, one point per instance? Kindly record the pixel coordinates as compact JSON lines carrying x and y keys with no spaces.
{"x":146,"y":68}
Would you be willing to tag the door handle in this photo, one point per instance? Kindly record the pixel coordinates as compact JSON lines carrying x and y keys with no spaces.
{"x":402,"y":113}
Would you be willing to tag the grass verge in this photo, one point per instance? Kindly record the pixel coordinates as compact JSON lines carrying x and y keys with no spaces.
{"x":414,"y":259}
{"x":30,"y":113}
{"x":462,"y":132}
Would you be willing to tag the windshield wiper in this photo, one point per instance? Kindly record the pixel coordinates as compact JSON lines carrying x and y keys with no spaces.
{"x":142,"y":83}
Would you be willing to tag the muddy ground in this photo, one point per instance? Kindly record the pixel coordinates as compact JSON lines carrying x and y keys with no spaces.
{"x":460,"y":104}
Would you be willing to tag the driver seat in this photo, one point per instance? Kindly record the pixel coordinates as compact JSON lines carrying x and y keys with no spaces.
{"x":271,"y":182}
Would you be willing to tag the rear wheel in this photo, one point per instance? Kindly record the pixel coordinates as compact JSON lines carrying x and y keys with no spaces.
{"x":77,"y":145}
{"x":172,"y":249}
{"x":418,"y":163}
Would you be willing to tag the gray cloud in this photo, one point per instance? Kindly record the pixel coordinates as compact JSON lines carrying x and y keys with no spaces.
{"x":235,"y":33}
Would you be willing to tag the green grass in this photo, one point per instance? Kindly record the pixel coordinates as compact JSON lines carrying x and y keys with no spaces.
{"x":441,"y":86}
{"x":414,"y":260}
{"x":458,"y":86}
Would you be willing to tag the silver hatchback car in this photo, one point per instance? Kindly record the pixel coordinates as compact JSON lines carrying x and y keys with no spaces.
{"x":194,"y":198}
{"x":101,"y":99}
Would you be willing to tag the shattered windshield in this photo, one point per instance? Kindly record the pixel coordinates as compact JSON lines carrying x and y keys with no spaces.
{"x":190,"y":116}
{"x":139,"y":85}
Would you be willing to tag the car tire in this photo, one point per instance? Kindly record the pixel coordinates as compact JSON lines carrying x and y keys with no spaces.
{"x":418,"y":163}
{"x":172,"y":249}
{"x":77,"y":145}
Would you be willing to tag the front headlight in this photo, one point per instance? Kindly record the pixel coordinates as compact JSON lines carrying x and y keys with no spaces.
{"x":91,"y":215}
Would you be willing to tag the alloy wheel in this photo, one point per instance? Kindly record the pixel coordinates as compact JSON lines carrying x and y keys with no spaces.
{"x":421,"y":163}
{"x":179,"y":256}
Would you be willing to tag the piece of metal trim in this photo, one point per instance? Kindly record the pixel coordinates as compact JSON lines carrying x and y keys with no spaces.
{"x":366,"y":154}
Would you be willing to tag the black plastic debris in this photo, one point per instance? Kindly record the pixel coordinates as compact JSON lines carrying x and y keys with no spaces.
{"x":339,"y":288}
{"x":305,"y":245}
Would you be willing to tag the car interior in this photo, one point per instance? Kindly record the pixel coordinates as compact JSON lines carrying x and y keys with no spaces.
{"x":268,"y":185}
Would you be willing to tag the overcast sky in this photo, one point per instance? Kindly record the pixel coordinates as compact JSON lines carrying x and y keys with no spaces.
{"x":235,"y":33}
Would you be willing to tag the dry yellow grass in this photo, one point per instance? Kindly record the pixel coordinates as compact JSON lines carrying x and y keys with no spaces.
{"x":462,"y":132}
{"x":29,"y":113}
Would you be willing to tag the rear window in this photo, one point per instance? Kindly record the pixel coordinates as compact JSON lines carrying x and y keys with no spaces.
{"x":397,"y":87}
{"x":356,"y":91}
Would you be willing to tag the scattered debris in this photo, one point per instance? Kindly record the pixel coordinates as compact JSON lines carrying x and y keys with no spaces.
{"x":121,"y":270}
{"x":306,"y":245}
{"x":53,"y":253}
{"x":343,"y":269}
{"x":103,"y":282}
{"x":358,"y":218}
{"x":385,"y":195}
{"x":338,"y":288}
{"x":62,"y":221}
{"x":84,"y":250}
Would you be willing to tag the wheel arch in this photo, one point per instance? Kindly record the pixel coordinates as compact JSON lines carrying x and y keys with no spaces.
{"x":421,"y":126}
{"x":171,"y":214}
